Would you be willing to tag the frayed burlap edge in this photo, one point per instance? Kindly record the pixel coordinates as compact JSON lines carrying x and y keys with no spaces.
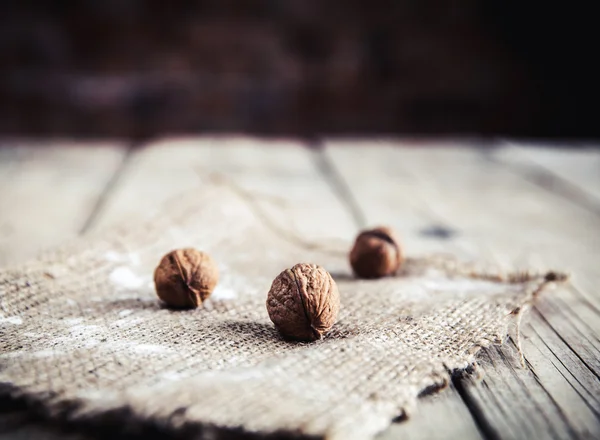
{"x":86,"y":416}
{"x":81,"y":416}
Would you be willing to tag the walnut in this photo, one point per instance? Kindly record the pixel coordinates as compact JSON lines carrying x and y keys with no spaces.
{"x":376,"y":253}
{"x":185,"y":278}
{"x":303,"y":302}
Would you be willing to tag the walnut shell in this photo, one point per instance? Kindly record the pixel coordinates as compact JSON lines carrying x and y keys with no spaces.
{"x":185,"y":278}
{"x":303,"y":302}
{"x":376,"y":253}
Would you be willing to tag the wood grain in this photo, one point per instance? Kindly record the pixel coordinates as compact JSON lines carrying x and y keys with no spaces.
{"x":48,"y":190}
{"x":444,"y":409}
{"x":473,"y":202}
{"x":272,"y":173}
{"x":574,"y":171}
{"x":279,"y":177}
{"x":501,"y":217}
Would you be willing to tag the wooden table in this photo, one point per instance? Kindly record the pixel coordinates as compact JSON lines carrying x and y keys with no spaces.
{"x":520,"y":205}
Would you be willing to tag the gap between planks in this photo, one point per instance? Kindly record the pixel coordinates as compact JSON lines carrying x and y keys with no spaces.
{"x":49,"y":191}
{"x":456,"y":171}
{"x":299,"y":173}
{"x":108,"y":189}
{"x":447,"y":408}
{"x":573,"y":173}
{"x":63,"y":183}
{"x":431,"y":408}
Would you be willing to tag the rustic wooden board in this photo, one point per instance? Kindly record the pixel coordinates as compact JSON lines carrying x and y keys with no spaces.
{"x":574,"y":171}
{"x":466,"y":201}
{"x":497,"y":215}
{"x":277,"y":173}
{"x":289,"y":169}
{"x":439,"y":416}
{"x":573,"y":174}
{"x":48,"y":190}
{"x":295,"y":173}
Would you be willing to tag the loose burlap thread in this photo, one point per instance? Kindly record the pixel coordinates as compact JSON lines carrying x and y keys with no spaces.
{"x":83,"y":333}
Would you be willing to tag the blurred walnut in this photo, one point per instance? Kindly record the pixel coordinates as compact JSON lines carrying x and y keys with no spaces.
{"x":303,"y":302}
{"x":376,"y":253}
{"x":185,"y":278}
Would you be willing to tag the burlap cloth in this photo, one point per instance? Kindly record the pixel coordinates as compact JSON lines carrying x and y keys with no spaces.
{"x":83,"y":334}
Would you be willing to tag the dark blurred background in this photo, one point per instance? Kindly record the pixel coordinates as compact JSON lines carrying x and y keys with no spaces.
{"x":298,"y":67}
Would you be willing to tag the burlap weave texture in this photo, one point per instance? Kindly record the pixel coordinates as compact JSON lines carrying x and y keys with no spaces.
{"x":82,"y":325}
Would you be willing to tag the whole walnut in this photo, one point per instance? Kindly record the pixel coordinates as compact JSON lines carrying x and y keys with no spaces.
{"x":185,"y":278}
{"x":376,"y":253}
{"x":303,"y":302}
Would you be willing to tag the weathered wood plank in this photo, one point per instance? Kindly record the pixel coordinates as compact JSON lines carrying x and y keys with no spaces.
{"x":439,"y":416}
{"x":384,"y":195}
{"x":151,"y":176}
{"x":269,"y":171}
{"x":498,"y":215}
{"x":576,"y":167}
{"x":275,"y":174}
{"x":164,"y":169}
{"x":572,"y":174}
{"x":273,"y":171}
{"x":48,"y":190}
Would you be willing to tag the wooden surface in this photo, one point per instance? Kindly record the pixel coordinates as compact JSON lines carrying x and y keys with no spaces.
{"x":519,"y":205}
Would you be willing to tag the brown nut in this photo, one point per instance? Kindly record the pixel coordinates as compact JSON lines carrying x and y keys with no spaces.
{"x":376,"y":253}
{"x":185,"y":278}
{"x":303,"y":302}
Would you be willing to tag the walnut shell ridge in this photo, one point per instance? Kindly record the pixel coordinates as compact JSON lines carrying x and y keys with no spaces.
{"x":303,"y":302}
{"x":376,"y":253}
{"x":184,"y":278}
